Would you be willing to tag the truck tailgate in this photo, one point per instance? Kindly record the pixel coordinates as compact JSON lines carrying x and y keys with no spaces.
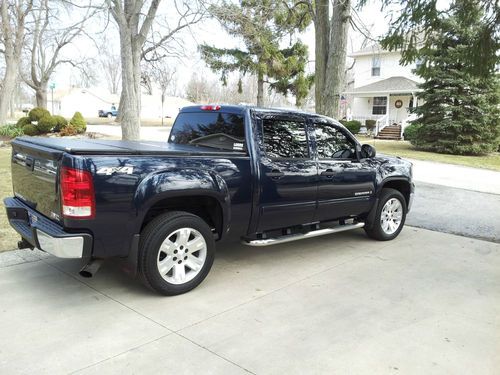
{"x":34,"y":177}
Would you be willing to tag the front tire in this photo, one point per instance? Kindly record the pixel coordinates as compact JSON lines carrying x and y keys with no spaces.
{"x":176,"y":252}
{"x":390,"y":216}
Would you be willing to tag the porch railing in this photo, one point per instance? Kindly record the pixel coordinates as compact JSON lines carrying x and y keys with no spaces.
{"x":381,"y":123}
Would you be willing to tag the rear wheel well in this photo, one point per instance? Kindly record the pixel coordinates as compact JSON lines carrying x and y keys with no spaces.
{"x":207,"y":208}
{"x":402,"y":186}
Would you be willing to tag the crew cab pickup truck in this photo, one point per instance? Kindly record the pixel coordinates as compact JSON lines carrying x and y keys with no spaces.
{"x":225,"y":173}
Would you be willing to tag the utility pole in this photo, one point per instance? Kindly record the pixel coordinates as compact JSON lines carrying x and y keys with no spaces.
{"x":52,"y":87}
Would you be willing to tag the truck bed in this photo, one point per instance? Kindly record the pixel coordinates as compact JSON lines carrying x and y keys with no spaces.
{"x":113,"y":147}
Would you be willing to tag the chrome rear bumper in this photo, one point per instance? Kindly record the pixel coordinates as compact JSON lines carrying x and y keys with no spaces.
{"x":45,"y":234}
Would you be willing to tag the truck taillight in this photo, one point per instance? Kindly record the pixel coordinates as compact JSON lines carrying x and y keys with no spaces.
{"x":210,"y":107}
{"x":77,"y":193}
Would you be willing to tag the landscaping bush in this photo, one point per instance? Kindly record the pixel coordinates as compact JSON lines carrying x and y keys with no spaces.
{"x":30,"y":130}
{"x":68,"y":130}
{"x":411,"y":133}
{"x":23,"y":121}
{"x":37,"y":113}
{"x":370,"y":124}
{"x":46,"y":124}
{"x":61,"y":122}
{"x":353,"y":125}
{"x":11,"y":131}
{"x":78,"y":123}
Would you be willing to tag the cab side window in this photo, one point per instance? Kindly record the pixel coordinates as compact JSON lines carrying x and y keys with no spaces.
{"x":332,"y":143}
{"x":285,"y":139}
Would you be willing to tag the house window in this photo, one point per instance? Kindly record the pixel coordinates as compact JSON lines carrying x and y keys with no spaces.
{"x":379,"y":105}
{"x":376,"y":66}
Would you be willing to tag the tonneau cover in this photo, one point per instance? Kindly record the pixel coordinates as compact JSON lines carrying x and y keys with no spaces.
{"x":111,"y":147}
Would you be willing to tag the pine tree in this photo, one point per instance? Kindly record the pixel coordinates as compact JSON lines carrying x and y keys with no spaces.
{"x":460,"y":114}
{"x":263,"y":25}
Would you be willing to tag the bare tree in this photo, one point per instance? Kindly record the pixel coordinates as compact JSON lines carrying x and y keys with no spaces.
{"x":110,"y":64}
{"x":46,"y":41}
{"x":13,"y":16}
{"x":331,"y":49}
{"x":135,"y":21}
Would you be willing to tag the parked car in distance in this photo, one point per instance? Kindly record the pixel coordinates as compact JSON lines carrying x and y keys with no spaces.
{"x":109,"y":113}
{"x":226,"y":173}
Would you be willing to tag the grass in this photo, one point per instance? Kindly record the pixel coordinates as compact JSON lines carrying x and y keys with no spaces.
{"x":406,"y":150}
{"x":8,"y":237}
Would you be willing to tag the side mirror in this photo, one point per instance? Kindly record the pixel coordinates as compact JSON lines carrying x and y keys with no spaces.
{"x":368,"y":151}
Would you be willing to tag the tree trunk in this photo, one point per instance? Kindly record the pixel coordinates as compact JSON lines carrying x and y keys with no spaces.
{"x":322,"y":31}
{"x":335,"y":68}
{"x":41,"y":96}
{"x":260,"y":90}
{"x":8,"y":86}
{"x":130,"y":95}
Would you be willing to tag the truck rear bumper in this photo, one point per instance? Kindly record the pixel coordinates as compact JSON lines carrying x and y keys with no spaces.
{"x":44,"y":234}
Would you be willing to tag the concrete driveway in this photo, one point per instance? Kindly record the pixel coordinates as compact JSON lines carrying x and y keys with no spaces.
{"x":425,"y":303}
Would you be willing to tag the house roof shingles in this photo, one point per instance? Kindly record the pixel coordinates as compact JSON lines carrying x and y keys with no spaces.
{"x":390,"y":85}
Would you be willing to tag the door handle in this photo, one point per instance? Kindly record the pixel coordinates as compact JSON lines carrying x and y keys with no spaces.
{"x":275,"y":174}
{"x":328,"y":173}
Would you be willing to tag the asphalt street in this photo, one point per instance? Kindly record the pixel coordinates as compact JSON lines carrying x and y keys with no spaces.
{"x":458,"y":211}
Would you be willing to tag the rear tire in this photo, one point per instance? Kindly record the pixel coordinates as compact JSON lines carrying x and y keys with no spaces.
{"x":176,"y":252}
{"x":390,"y":216}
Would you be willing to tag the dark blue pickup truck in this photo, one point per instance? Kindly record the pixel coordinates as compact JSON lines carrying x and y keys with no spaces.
{"x":260,"y":176}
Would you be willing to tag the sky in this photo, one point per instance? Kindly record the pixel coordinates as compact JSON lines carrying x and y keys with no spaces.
{"x":370,"y":18}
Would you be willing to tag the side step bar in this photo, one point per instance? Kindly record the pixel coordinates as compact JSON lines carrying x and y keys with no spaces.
{"x":301,"y":236}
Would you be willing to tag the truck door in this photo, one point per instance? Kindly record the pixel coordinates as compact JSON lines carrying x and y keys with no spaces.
{"x":346,"y":185}
{"x":288,"y":172}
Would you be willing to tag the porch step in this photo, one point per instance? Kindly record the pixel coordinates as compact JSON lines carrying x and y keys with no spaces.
{"x":390,"y":132}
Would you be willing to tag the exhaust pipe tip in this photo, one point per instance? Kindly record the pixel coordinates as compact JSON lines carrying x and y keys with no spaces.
{"x":90,"y":268}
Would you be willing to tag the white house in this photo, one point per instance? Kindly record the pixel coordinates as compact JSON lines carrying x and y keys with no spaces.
{"x":383,"y":89}
{"x":89,"y":101}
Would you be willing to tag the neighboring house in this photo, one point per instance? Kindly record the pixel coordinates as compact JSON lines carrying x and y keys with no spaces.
{"x":90,"y":101}
{"x":383,"y":89}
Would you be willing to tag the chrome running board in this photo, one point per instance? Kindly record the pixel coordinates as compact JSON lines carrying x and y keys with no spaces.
{"x":301,"y":236}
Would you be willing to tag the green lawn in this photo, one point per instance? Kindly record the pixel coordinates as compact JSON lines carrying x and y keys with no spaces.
{"x":406,"y":150}
{"x":8,"y":237}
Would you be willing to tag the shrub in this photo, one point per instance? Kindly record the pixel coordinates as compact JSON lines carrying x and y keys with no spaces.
{"x":23,"y":121}
{"x":61,"y":122}
{"x":353,"y":125}
{"x":37,"y":113}
{"x":46,"y":124}
{"x":11,"y":131}
{"x":30,"y":129}
{"x":78,"y":122}
{"x":370,"y":124}
{"x":68,"y":130}
{"x":411,"y":132}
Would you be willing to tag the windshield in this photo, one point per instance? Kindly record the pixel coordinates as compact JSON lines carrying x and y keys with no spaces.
{"x":220,"y":130}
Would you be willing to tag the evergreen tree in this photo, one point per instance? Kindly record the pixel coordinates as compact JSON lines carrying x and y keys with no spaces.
{"x":460,"y":114}
{"x":263,"y":25}
{"x":457,"y":49}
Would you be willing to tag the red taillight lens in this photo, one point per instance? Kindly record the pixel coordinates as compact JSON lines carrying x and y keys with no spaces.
{"x":210,"y":107}
{"x":77,"y":193}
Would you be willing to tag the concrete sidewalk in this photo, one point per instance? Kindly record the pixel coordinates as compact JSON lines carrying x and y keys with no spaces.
{"x":457,"y":176}
{"x":425,"y":303}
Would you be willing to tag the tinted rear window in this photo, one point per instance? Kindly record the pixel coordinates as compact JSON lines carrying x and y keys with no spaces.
{"x":191,"y":126}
